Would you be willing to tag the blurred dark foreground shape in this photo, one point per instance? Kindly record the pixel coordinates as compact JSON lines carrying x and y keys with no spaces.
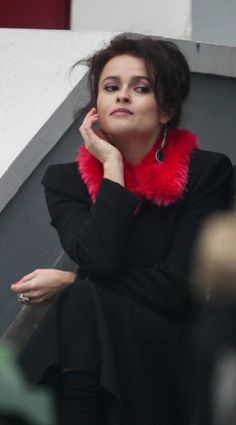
{"x":215,"y":281}
{"x":20,"y":403}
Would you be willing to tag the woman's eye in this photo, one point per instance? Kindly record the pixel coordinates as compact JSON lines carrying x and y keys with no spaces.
{"x":111,"y":87}
{"x":142,"y":89}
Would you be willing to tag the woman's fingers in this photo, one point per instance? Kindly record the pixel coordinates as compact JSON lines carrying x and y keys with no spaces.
{"x":96,"y":141}
{"x":35,"y":292}
{"x":89,"y":119}
{"x":28,"y":277}
{"x":24,"y":279}
{"x":36,"y":298}
{"x":87,"y":131}
{"x":36,"y":279}
{"x":23,"y":286}
{"x":42,"y":285}
{"x":37,"y":302}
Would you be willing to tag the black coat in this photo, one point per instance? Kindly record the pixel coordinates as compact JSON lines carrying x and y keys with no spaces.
{"x":128,"y":315}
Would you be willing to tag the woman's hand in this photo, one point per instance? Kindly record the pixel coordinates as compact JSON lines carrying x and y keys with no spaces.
{"x":96,"y":141}
{"x":42,"y":285}
{"x":99,"y":145}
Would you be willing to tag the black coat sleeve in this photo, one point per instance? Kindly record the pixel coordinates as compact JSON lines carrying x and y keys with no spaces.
{"x":93,"y":235}
{"x":165,"y":286}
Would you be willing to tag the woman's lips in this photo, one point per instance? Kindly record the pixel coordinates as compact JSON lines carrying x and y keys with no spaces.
{"x":121,"y":112}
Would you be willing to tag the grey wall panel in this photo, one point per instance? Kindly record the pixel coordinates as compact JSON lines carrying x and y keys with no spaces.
{"x":27,"y":241}
{"x":211,"y":113}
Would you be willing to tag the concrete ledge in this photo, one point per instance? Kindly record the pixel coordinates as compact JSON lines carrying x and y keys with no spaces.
{"x":28,"y":319}
{"x":206,"y":58}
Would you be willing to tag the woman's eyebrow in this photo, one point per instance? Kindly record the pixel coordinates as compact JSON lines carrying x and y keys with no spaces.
{"x":111,"y":77}
{"x":140,"y":77}
{"x":134,"y":79}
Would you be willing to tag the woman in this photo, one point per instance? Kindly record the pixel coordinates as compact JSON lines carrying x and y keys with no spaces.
{"x":114,"y":344}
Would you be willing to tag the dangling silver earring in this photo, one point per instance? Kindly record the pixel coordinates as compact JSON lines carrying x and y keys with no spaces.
{"x":159,"y":155}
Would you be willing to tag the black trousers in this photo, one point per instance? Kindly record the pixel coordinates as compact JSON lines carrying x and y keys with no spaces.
{"x":80,"y":399}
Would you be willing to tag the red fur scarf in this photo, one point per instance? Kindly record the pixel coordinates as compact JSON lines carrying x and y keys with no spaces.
{"x":163,"y":183}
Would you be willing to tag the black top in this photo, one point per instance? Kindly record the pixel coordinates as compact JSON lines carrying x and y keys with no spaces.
{"x":127,"y":316}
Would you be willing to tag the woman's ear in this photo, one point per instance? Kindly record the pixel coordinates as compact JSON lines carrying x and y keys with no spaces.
{"x":166,"y":116}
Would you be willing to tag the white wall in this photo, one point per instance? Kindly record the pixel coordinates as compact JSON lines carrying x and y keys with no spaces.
{"x":158,"y":17}
{"x":38,"y":97}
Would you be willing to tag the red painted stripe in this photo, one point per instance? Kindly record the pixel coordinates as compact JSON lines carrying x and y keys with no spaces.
{"x":45,"y":14}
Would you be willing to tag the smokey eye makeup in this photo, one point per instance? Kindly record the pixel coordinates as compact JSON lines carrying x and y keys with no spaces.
{"x":142,"y":89}
{"x":111,"y":87}
{"x":138,"y":88}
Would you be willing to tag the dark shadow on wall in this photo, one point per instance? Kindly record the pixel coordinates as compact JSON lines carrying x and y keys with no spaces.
{"x":214,"y":21}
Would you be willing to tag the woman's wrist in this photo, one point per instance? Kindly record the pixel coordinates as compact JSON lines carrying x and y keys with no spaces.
{"x":113,"y":169}
{"x":67,"y":277}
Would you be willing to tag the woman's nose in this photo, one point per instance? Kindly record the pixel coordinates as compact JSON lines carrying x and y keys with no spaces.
{"x":123,"y":96}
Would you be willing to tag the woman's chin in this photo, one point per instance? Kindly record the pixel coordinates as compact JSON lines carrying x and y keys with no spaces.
{"x":122,"y":131}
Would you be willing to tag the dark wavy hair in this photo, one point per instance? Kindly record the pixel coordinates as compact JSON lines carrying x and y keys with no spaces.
{"x":166,"y":67}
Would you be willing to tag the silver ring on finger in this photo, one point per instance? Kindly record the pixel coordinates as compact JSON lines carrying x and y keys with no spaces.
{"x":23,"y":297}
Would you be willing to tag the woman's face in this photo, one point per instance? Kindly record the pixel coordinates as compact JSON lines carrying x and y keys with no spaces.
{"x":126,"y":102}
